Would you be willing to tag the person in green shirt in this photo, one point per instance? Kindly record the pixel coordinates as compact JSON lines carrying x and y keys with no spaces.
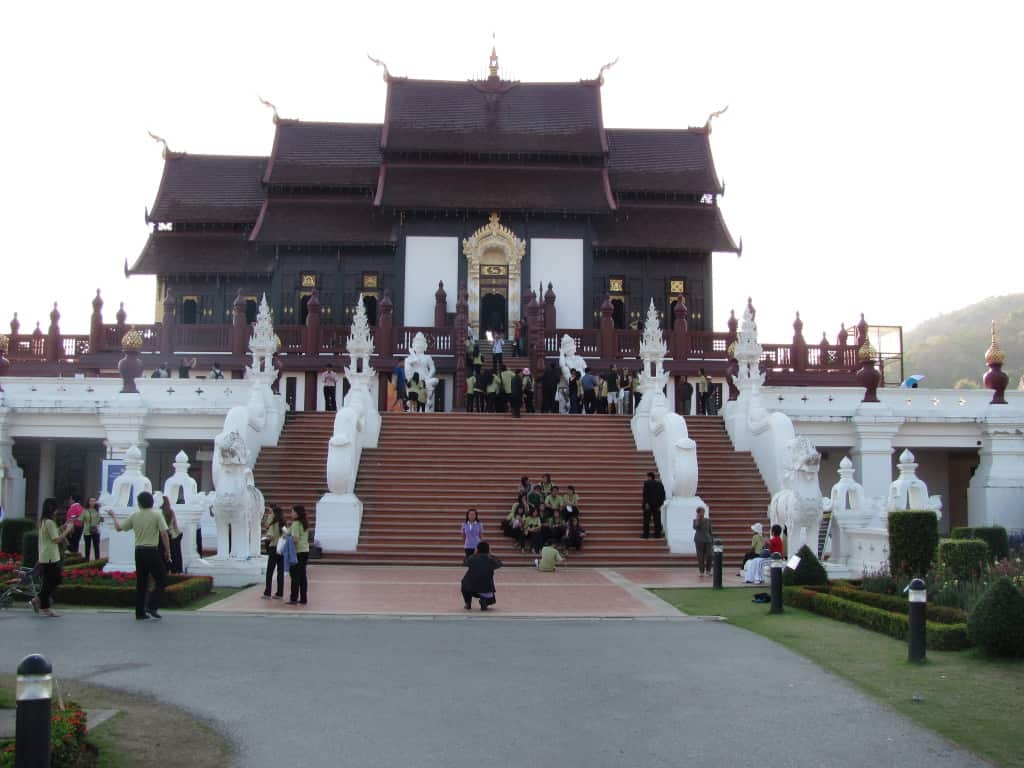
{"x":50,"y":539}
{"x":275,"y":529}
{"x":549,"y":559}
{"x":152,"y":553}
{"x":300,"y":534}
{"x":532,"y":529}
{"x":470,"y":393}
{"x":91,"y":528}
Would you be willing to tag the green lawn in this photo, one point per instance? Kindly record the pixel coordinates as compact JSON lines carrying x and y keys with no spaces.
{"x":965,"y":697}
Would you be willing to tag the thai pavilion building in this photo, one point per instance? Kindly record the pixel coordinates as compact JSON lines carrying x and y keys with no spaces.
{"x":350,"y":208}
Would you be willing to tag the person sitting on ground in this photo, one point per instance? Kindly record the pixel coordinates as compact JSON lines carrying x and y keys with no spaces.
{"x":506,"y":524}
{"x":519,"y":528}
{"x":756,"y":544}
{"x":753,"y":571}
{"x":553,"y":501}
{"x":478,"y":580}
{"x":775,"y":542}
{"x":570,"y":499}
{"x":546,"y":485}
{"x":525,"y":486}
{"x":532,"y":530}
{"x":549,"y":559}
{"x":574,"y":534}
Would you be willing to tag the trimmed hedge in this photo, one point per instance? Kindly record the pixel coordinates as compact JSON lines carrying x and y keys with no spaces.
{"x":997,"y":622}
{"x":30,"y":548}
{"x":939,"y":637}
{"x":995,"y":536}
{"x":11,"y":532}
{"x":937,"y":613}
{"x":809,"y":570}
{"x":913,"y":539}
{"x":963,"y":559}
{"x":181,"y":590}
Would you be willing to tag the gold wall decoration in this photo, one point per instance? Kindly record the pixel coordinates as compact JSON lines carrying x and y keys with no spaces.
{"x":308,"y":280}
{"x":677,"y":287}
{"x":369,"y":280}
{"x":615,"y":285}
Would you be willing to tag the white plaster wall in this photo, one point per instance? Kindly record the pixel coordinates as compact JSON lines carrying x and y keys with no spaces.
{"x":427,"y":260}
{"x":560,"y":262}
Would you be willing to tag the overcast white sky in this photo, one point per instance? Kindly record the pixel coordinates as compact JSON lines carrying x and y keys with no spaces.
{"x":872,"y":152}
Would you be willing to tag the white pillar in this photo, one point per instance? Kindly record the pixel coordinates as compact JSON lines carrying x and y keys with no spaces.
{"x":47,"y":471}
{"x":872,"y":454}
{"x":997,"y":489}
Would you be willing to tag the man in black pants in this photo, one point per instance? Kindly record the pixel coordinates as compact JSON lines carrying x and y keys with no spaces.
{"x":654,"y":497}
{"x":479,"y":578}
{"x":152,"y":553}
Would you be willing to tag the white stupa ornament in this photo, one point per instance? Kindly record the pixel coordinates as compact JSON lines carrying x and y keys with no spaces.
{"x":263,"y":343}
{"x":360,"y":339}
{"x":748,"y":352}
{"x":909,"y":491}
{"x":652,"y":352}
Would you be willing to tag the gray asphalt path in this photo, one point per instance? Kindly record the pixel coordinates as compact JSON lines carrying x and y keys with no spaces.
{"x":335,"y":691}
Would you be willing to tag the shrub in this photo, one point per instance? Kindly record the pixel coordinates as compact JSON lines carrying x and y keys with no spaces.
{"x":963,"y":559}
{"x":881,"y":582}
{"x":896,"y":604}
{"x":30,"y":548}
{"x":939,"y":637}
{"x":913,"y":539}
{"x":995,"y":536}
{"x":963,"y":595}
{"x":11,"y":532}
{"x":997,"y":623}
{"x":809,"y":570}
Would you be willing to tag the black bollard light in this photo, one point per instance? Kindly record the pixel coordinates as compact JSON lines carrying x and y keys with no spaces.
{"x":918,"y":598}
{"x":718,"y":549}
{"x":33,"y":691}
{"x":778,"y":565}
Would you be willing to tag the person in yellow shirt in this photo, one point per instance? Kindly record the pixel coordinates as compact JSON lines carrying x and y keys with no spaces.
{"x":470,"y":393}
{"x":152,"y":553}
{"x":300,"y":533}
{"x":91,"y":528}
{"x":50,"y":539}
{"x":275,"y":529}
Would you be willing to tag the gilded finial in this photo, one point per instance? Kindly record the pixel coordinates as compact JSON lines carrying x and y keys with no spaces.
{"x":493,"y":64}
{"x":161,"y":140}
{"x":132,"y":341}
{"x":994,"y":355}
{"x":713,"y":115}
{"x":270,"y":106}
{"x":4,"y":342}
{"x":382,"y":65}
{"x":866,"y":353}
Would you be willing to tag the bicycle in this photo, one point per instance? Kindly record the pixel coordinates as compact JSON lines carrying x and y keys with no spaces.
{"x":26,"y":587}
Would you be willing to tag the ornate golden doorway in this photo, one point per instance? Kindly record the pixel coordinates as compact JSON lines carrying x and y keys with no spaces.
{"x":494,"y":255}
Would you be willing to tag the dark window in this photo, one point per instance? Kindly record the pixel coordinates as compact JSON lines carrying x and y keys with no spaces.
{"x":370,"y":304}
{"x":189,"y":312}
{"x":251,"y":310}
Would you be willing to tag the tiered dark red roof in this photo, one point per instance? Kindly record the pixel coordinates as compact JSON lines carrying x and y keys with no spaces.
{"x":670,"y":227}
{"x":641,"y":160}
{"x":493,"y":117}
{"x":177,"y":253}
{"x":206,"y":189}
{"x":325,"y":154}
{"x":323,"y":220}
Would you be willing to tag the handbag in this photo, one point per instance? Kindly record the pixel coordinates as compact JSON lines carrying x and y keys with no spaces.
{"x":281,"y":544}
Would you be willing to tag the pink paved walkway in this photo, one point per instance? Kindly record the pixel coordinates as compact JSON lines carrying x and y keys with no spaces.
{"x":433,"y":591}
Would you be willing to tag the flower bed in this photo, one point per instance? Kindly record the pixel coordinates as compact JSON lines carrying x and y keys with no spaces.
{"x":90,"y":586}
{"x":68,"y":732}
{"x":940,"y":637}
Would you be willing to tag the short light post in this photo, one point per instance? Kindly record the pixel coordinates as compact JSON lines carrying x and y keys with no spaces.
{"x":778,"y":565}
{"x":717,"y":549}
{"x":917,"y":595}
{"x":33,"y":691}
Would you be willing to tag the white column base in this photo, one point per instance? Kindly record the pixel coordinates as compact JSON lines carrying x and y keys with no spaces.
{"x":120,"y":552}
{"x":677,"y":516}
{"x":338,"y":520}
{"x":864,"y":550}
{"x":231,"y":572}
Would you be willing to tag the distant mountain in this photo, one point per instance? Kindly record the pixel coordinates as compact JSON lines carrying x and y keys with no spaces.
{"x":951,"y":348}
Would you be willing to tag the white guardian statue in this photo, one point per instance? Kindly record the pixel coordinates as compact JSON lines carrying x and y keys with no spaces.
{"x":799,"y":505}
{"x":418,"y":361}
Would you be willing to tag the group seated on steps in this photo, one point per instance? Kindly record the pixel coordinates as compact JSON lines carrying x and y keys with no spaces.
{"x":542,"y":514}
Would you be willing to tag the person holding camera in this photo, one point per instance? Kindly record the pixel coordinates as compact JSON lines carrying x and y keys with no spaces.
{"x":152,"y":553}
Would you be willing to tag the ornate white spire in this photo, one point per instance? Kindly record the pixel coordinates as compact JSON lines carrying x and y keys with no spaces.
{"x":748,"y":352}
{"x":263,"y":343}
{"x":653,"y":342}
{"x":360,"y":339}
{"x":652,"y":353}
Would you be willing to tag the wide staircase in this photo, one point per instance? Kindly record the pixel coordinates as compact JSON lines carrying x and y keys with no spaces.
{"x":429,"y":468}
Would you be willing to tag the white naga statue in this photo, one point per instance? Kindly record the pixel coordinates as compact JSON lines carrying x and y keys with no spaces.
{"x":418,"y":361}
{"x":237,"y":502}
{"x":798,"y":506}
{"x":568,"y":360}
{"x":674,"y":452}
{"x":909,"y":491}
{"x":343,"y":449}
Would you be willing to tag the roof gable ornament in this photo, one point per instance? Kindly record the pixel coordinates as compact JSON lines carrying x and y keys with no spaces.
{"x":713,"y":115}
{"x":161,"y":140}
{"x":382,"y":65}
{"x":605,"y":68}
{"x":492,"y":64}
{"x":270,"y":106}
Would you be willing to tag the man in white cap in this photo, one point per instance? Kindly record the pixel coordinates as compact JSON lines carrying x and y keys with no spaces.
{"x":756,"y":545}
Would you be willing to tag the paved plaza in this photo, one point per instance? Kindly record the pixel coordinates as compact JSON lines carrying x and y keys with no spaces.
{"x":457,"y":691}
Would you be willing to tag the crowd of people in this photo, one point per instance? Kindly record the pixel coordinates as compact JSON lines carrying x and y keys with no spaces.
{"x":544,"y":515}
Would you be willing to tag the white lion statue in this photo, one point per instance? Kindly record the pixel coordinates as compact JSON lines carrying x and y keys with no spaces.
{"x":237,"y":503}
{"x":799,"y":505}
{"x":568,"y":359}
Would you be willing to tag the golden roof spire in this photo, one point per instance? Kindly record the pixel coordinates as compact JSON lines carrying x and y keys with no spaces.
{"x":494,"y":58}
{"x":994,"y":355}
